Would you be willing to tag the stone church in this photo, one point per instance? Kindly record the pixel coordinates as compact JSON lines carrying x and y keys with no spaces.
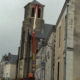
{"x":24,"y":63}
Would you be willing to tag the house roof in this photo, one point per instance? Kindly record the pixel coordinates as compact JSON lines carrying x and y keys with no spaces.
{"x":34,"y":2}
{"x":10,"y":58}
{"x":52,"y":30}
{"x":5,"y":58}
{"x":46,"y":30}
{"x":13,"y":59}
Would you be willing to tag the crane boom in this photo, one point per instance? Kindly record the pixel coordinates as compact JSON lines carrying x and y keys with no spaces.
{"x":35,"y":17}
{"x":34,"y":40}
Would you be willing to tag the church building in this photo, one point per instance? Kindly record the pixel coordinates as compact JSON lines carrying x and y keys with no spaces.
{"x":24,"y":64}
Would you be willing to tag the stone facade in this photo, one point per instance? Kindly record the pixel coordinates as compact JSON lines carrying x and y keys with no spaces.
{"x":8,"y":66}
{"x":49,"y":57}
{"x":46,"y":54}
{"x":67,"y":50}
{"x":76,"y":38}
{"x":38,"y":64}
{"x":1,"y":70}
{"x":25,"y":54}
{"x":9,"y":71}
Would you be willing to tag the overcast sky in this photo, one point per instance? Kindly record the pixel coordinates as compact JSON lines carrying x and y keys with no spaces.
{"x":11,"y":17}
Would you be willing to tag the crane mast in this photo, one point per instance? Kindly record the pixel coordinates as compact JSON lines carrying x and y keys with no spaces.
{"x":34,"y":40}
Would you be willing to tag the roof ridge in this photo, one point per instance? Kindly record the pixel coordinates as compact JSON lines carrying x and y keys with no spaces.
{"x":36,"y":2}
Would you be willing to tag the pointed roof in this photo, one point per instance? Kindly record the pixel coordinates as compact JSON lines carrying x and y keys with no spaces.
{"x":11,"y":59}
{"x":35,"y":2}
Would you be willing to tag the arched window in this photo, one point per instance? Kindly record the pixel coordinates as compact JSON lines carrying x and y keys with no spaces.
{"x":33,"y":12}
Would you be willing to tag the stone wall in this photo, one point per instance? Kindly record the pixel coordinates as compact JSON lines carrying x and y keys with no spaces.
{"x":77,"y":41}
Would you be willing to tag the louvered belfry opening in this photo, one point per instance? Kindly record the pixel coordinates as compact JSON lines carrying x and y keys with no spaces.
{"x":33,"y":12}
{"x":39,"y":12}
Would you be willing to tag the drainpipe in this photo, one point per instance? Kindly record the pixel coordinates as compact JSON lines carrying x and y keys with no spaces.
{"x":52,"y":56}
{"x":45,"y":64}
{"x":66,"y":41}
{"x":41,"y":73}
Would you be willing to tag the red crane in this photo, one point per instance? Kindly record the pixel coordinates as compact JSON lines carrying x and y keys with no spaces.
{"x":34,"y":40}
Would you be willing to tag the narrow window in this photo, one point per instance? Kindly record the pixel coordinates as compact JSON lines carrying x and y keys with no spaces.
{"x":58,"y":70}
{"x":65,"y":27}
{"x":26,"y":13}
{"x":64,"y":64}
{"x":33,"y":11}
{"x":48,"y":55}
{"x":22,"y":44}
{"x":39,"y":12}
{"x":59,"y":35}
{"x":46,"y":58}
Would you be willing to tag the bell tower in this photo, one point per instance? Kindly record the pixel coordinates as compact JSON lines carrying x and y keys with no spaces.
{"x":25,"y":43}
{"x":29,"y":15}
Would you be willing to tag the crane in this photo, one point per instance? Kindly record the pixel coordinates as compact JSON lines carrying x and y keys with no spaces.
{"x":34,"y":40}
{"x":36,"y":7}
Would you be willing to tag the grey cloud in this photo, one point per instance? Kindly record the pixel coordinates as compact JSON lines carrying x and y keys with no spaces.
{"x":11,"y":17}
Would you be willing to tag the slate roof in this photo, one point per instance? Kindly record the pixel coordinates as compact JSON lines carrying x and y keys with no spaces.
{"x":44,"y":34}
{"x":35,"y":2}
{"x":5,"y":58}
{"x":47,"y":28}
{"x":11,"y":60}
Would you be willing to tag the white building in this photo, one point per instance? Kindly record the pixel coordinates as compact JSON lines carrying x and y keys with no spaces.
{"x":38,"y":65}
{"x":45,"y":58}
{"x":49,"y":56}
{"x":2,"y":63}
{"x":9,"y":66}
{"x":9,"y":71}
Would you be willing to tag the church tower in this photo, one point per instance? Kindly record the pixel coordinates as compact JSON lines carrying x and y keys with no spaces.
{"x":29,"y":15}
{"x":25,"y":43}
